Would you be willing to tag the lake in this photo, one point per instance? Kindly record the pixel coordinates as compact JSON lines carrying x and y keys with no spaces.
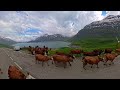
{"x":50,"y":44}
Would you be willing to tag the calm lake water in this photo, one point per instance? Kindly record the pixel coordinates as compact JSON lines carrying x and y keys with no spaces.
{"x":50,"y":44}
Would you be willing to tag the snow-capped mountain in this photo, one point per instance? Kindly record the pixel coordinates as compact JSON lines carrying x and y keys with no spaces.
{"x":54,"y":37}
{"x":108,"y":27}
{"x":7,"y":41}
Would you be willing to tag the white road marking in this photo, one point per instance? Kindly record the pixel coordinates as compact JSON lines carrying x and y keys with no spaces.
{"x":29,"y":76}
{"x":11,"y":58}
{"x":18,"y":65}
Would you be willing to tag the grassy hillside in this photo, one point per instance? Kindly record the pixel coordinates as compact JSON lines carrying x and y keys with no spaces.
{"x":96,"y":43}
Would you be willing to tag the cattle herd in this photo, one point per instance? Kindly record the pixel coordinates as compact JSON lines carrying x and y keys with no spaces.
{"x":42,"y":55}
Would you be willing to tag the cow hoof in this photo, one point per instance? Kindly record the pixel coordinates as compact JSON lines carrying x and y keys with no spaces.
{"x":109,"y":64}
{"x":97,"y":67}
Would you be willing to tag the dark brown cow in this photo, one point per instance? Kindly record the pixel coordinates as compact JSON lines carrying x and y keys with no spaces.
{"x":117,"y":51}
{"x":31,"y":49}
{"x":98,"y":51}
{"x":76,"y":51}
{"x":39,"y":51}
{"x":108,"y":50}
{"x":90,"y":54}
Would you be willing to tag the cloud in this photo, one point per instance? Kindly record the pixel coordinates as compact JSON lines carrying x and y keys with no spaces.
{"x":15,"y":25}
{"x":113,"y":12}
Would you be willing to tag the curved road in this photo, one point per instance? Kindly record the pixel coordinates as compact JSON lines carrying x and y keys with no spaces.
{"x":26,"y":63}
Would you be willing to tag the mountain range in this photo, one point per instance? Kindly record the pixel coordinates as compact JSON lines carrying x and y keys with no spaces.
{"x":54,"y":37}
{"x":6,"y":41}
{"x":109,"y":27}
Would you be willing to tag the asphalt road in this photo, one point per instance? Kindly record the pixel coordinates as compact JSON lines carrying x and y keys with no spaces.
{"x":26,"y":63}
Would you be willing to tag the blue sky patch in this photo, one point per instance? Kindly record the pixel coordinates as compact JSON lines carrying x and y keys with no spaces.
{"x":103,"y":13}
{"x":33,"y":31}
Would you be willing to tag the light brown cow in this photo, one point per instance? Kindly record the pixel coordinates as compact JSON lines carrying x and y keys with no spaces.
{"x":62,"y":58}
{"x":91,"y":60}
{"x":42,"y":58}
{"x":110,"y":57}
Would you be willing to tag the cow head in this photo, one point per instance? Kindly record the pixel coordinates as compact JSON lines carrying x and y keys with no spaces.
{"x":101,"y":58}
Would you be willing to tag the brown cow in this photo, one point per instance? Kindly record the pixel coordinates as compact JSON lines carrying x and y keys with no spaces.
{"x":31,"y":49}
{"x":76,"y":51}
{"x":98,"y":51}
{"x":90,"y":54}
{"x":108,"y":50}
{"x":117,"y":51}
{"x":110,"y":57}
{"x":64,"y":54}
{"x":43,"y":51}
{"x":91,"y":60}
{"x":62,"y":58}
{"x":42,"y":58}
{"x":15,"y":73}
{"x":39,"y":51}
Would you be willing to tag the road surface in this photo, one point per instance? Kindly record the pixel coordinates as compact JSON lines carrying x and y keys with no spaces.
{"x":26,"y":63}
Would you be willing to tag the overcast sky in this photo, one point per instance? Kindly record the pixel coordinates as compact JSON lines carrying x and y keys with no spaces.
{"x":27,"y":25}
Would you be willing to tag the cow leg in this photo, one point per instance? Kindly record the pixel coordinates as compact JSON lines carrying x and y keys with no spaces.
{"x":36,"y":61}
{"x":84,"y":64}
{"x":52,"y":62}
{"x":42,"y":63}
{"x":69,"y":63}
{"x":47,"y":63}
{"x":64,"y":64}
{"x":112,"y":62}
{"x":105,"y":63}
{"x":55,"y":64}
{"x":91,"y":65}
{"x":97,"y":65}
